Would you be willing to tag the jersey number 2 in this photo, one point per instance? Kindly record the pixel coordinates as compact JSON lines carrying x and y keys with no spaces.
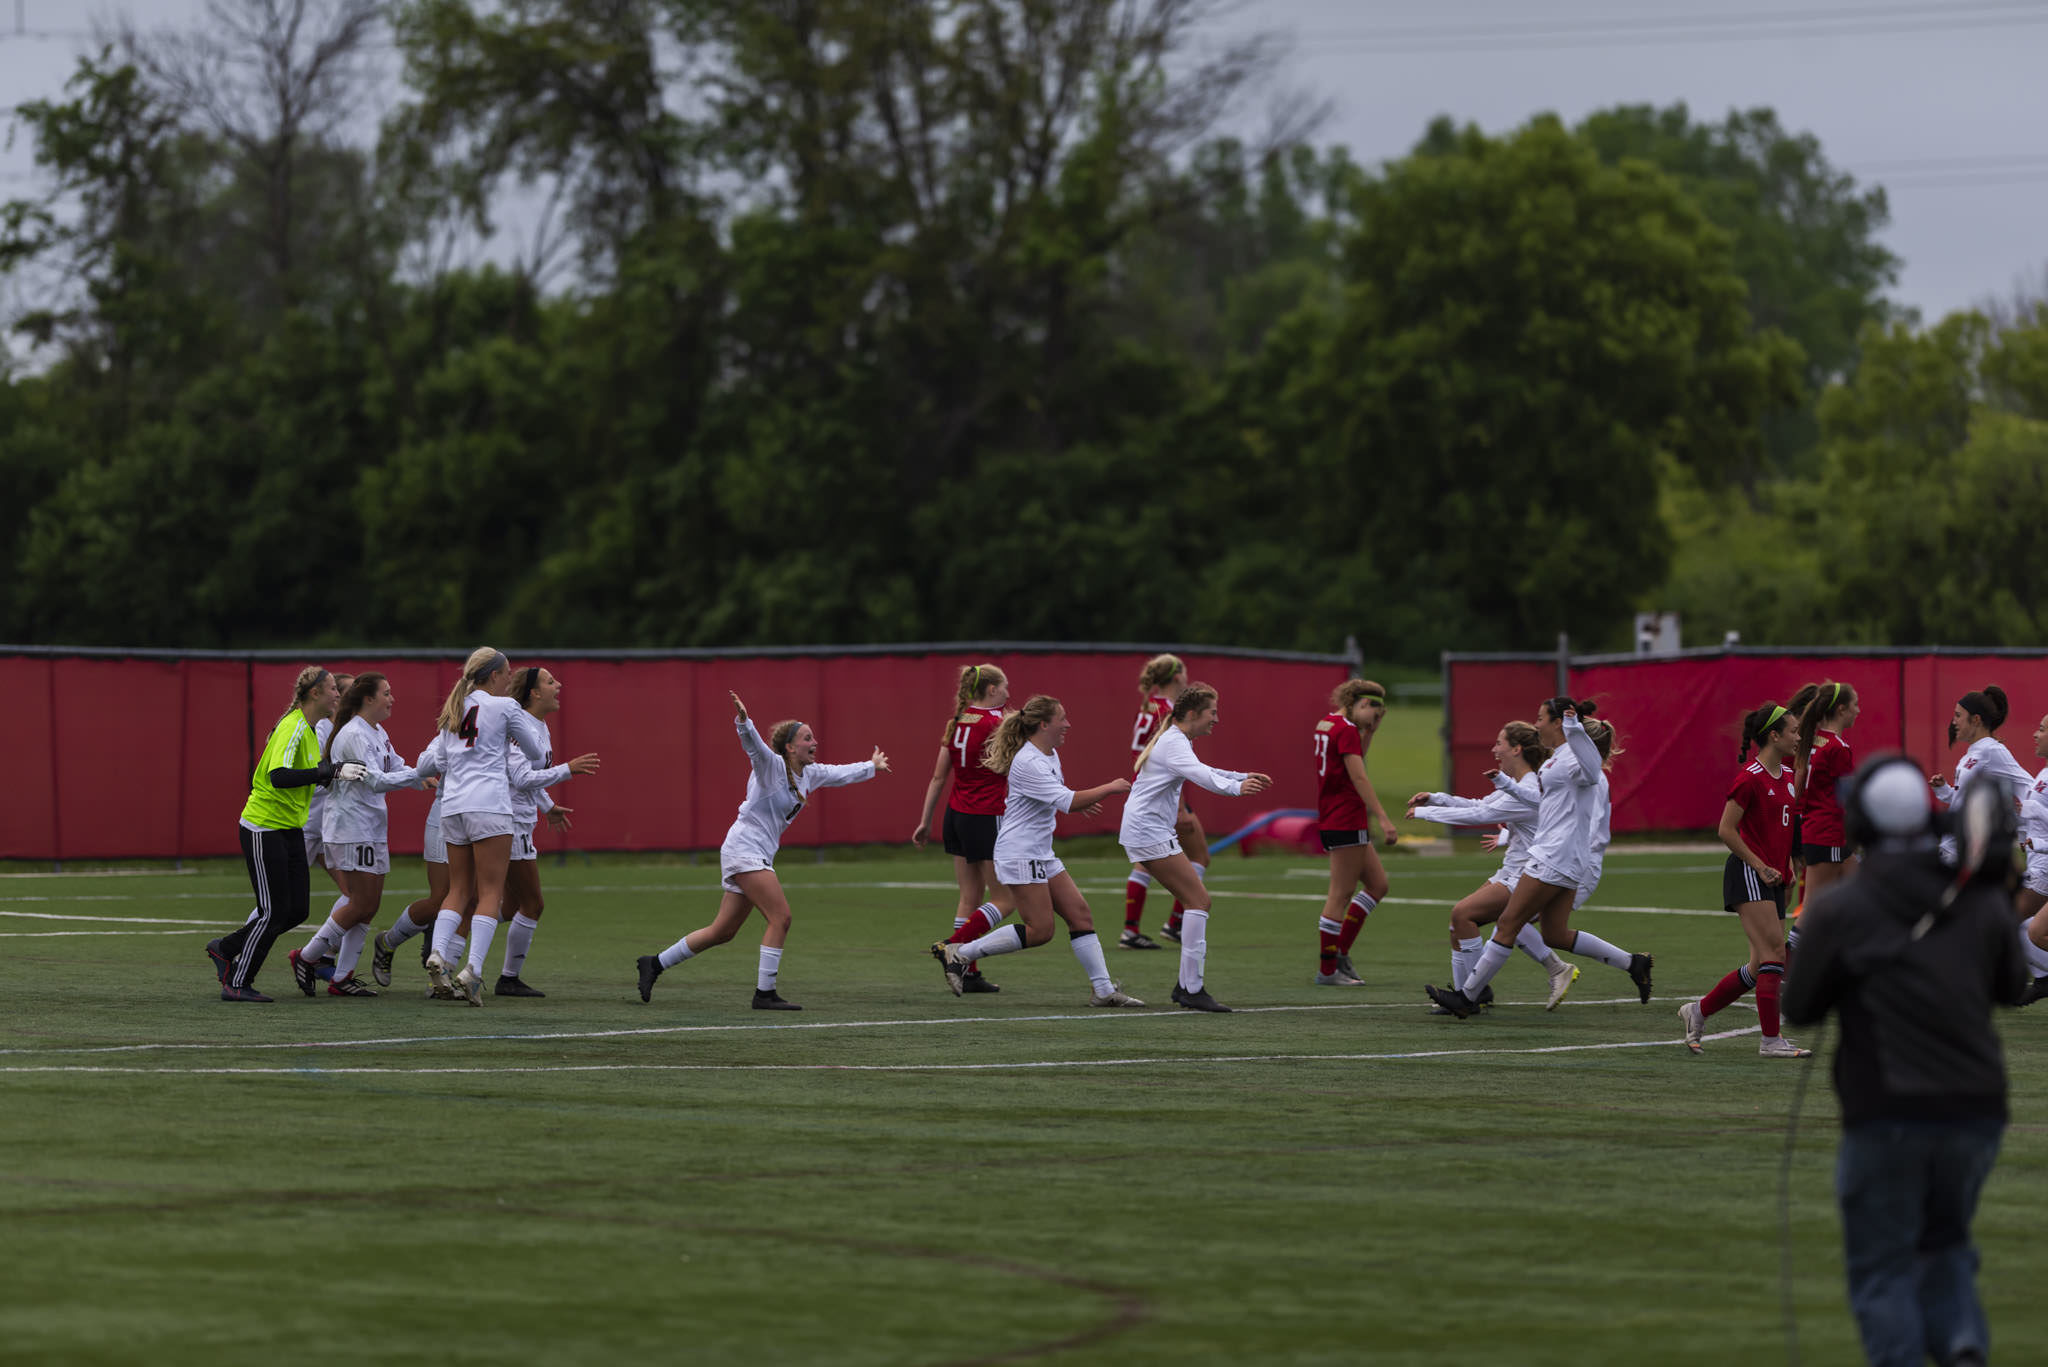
{"x":468,"y":728}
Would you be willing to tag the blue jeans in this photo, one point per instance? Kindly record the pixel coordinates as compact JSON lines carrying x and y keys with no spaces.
{"x":1908,"y":1191}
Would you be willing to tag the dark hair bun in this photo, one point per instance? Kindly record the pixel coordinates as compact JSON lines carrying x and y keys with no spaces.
{"x":1995,"y":695}
{"x":1586,"y":708}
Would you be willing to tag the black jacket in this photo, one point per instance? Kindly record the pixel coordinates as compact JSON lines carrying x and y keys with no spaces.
{"x":1917,"y":1042}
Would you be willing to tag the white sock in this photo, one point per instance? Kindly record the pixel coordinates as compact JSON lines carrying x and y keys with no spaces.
{"x":455,"y":948}
{"x":676,"y":953}
{"x":1088,"y":949}
{"x":1001,"y":940}
{"x":352,"y":941}
{"x":1201,"y":871}
{"x":339,"y":903}
{"x":1194,"y":948}
{"x":1464,"y":956}
{"x":447,"y":921}
{"x":1530,"y":942}
{"x":325,"y":941}
{"x":481,"y":929}
{"x":771,"y":964}
{"x":401,"y":930}
{"x":1491,"y":956}
{"x":1138,"y":876}
{"x":1593,"y":947}
{"x":2037,"y":957}
{"x":518,"y":940}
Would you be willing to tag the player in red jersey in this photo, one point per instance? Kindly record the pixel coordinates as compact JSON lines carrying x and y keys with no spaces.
{"x":1825,"y":759}
{"x":1159,"y":686}
{"x":1346,"y":807}
{"x":974,"y":812}
{"x":1756,"y":826}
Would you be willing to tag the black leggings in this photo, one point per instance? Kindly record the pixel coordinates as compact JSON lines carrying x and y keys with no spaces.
{"x":284,"y":896}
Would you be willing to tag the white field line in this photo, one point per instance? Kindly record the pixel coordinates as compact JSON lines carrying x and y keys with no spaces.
{"x":72,"y":934}
{"x":395,"y":1040}
{"x":108,"y":873}
{"x":125,"y":920}
{"x":1400,"y":872}
{"x":1026,"y":1065}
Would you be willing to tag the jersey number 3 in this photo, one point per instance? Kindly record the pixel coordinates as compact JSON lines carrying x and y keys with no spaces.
{"x":468,"y":728}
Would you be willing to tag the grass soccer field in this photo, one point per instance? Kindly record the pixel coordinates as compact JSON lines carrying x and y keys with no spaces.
{"x":897,"y":1176}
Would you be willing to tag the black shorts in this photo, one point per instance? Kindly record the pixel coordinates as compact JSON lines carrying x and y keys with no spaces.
{"x":1337,"y":840}
{"x":971,"y":836}
{"x":1739,"y":884}
{"x":1823,"y":854}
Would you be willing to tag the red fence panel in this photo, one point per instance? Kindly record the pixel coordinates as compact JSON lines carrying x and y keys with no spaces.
{"x":28,"y":811}
{"x":1480,"y":697}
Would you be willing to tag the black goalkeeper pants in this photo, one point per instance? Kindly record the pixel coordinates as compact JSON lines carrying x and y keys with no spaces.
{"x":284,"y":894}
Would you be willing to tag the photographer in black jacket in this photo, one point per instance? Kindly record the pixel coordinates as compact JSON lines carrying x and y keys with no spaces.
{"x":1912,"y":955}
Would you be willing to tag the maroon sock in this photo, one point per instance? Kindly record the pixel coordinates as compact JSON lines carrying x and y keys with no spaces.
{"x":1768,"y":977}
{"x":1727,"y":991}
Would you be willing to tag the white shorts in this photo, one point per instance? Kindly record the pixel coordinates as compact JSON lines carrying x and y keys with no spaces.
{"x":466,"y":828}
{"x":2036,"y":879}
{"x":363,"y":858}
{"x":728,"y":872}
{"x":437,"y":848}
{"x":522,"y":845}
{"x":1017,"y":872}
{"x":315,"y":848}
{"x":1546,"y":873}
{"x":1506,"y":878}
{"x":1582,"y":896}
{"x":1138,"y":854}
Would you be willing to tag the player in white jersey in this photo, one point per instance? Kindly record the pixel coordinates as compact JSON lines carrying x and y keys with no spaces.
{"x":418,"y":918}
{"x":539,"y":695}
{"x":2032,"y":899}
{"x":1025,"y":749}
{"x":354,"y":833}
{"x":1153,"y":810}
{"x":1977,"y":717}
{"x":1599,"y":836}
{"x":785,"y":773}
{"x":1559,"y":859}
{"x":1512,"y":808}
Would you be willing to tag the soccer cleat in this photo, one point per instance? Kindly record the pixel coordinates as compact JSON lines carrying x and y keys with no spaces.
{"x":1485,"y":997}
{"x":1116,"y":996}
{"x":771,"y":1000}
{"x":441,"y":992}
{"x":437,"y":973}
{"x":972,"y":983}
{"x":426,"y":947}
{"x":302,"y":972}
{"x":380,"y":960}
{"x":1344,"y":966}
{"x":515,"y":986}
{"x":1197,"y":1000}
{"x":1777,"y":1046}
{"x":1562,"y":976}
{"x":1338,"y":979}
{"x":350,"y":987}
{"x":1135,"y":939}
{"x":323,"y":968}
{"x":469,"y":986}
{"x":650,"y":969}
{"x":1639,"y":972}
{"x":1441,"y":1011}
{"x":242,"y":994}
{"x":1170,"y":931}
{"x":1452,"y":1000}
{"x":2035,"y":990}
{"x":1695,"y":1025}
{"x":955,"y":968}
{"x":221,"y":962}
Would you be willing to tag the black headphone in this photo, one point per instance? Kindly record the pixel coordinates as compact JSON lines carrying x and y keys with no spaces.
{"x":1856,"y":821}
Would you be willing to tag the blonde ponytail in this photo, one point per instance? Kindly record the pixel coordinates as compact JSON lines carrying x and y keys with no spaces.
{"x":975,"y":680}
{"x":1192,"y":699}
{"x":483,"y":662}
{"x":1017,"y":728}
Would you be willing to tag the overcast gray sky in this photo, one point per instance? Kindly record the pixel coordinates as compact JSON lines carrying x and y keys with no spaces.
{"x":1943,"y":102}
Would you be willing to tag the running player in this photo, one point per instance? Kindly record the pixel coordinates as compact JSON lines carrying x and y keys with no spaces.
{"x":1825,"y":759}
{"x":1756,"y":826}
{"x":1025,"y":750}
{"x":1148,"y":837}
{"x":1973,"y":725}
{"x":539,"y":695}
{"x":1346,"y":807}
{"x":1159,"y":685}
{"x":785,"y":774}
{"x":974,"y":812}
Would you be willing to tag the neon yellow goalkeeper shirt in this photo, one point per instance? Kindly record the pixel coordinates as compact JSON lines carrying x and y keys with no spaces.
{"x":293,"y":745}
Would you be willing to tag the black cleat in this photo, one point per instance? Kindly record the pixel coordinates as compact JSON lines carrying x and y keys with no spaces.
{"x":1639,"y":972}
{"x":1452,"y":1000}
{"x":1135,"y":939}
{"x":221,"y":962}
{"x":974,"y":982}
{"x":516,"y":987}
{"x":426,"y":946}
{"x":242,"y":994}
{"x":1197,"y":1000}
{"x":380,"y":960}
{"x":350,"y":987}
{"x":771,"y":1000}
{"x":1485,"y":997}
{"x":302,"y":973}
{"x":650,"y":969}
{"x":2036,"y":990}
{"x":952,"y":964}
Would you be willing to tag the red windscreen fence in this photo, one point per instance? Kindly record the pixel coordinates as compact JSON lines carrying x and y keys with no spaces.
{"x":143,"y":755}
{"x":1679,"y":717}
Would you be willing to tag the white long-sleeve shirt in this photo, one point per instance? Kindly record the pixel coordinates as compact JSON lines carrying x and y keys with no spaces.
{"x":432,"y":764}
{"x":1154,"y":803}
{"x":773,"y":800}
{"x":530,"y":797}
{"x":2034,"y":817}
{"x":1569,"y":782}
{"x":1512,"y":805}
{"x":1986,"y":757}
{"x":316,"y":810}
{"x":475,"y":776}
{"x":1038,"y":794}
{"x":355,"y":813}
{"x":1598,"y":837}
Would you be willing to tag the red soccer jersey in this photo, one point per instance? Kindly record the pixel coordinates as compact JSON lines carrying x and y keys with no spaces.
{"x":1338,"y":805}
{"x":1151,"y":715}
{"x":977,"y":789}
{"x":1766,"y":801}
{"x":1820,"y":806}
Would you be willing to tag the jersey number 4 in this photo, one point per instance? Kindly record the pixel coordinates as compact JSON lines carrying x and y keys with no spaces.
{"x":468,"y":728}
{"x":960,"y":735}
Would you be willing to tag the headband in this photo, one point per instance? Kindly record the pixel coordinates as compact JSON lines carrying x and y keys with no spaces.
{"x":783,"y":749}
{"x":1770,"y":721}
{"x":1836,"y":698}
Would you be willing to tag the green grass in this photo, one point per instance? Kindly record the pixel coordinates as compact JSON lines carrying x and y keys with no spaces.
{"x":590,"y":1179}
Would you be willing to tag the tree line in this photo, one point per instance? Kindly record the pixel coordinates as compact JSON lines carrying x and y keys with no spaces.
{"x":886,"y":321}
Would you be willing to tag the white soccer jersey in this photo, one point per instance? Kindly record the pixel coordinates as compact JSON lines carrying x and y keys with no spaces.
{"x":2034,"y":817}
{"x":355,"y":812}
{"x":1154,"y":803}
{"x":1986,"y":757}
{"x":1038,"y":794}
{"x":1513,"y":806}
{"x":477,"y":757}
{"x":1569,"y":782}
{"x":529,"y":799}
{"x":772,"y":801}
{"x":316,"y":810}
{"x":1598,"y":837}
{"x":432,"y":764}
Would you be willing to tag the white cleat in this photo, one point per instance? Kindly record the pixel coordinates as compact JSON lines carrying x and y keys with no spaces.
{"x":439,"y":976}
{"x":470,"y":986}
{"x":1116,"y":996}
{"x":1695,"y":1024}
{"x":1338,"y":979}
{"x":1777,"y":1046}
{"x":1562,"y":976}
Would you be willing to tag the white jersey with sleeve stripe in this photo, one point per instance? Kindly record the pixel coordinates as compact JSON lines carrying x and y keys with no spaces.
{"x":530,"y":798}
{"x":476,"y":758}
{"x":1154,"y":803}
{"x":1038,"y":794}
{"x":316,"y":810}
{"x":355,"y":812}
{"x":773,"y":800}
{"x":1512,"y":806}
{"x":1987,"y":757}
{"x":1569,"y":782}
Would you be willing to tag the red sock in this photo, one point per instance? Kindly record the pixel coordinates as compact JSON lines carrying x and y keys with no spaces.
{"x":1330,"y":934}
{"x":1768,"y":976}
{"x":1134,"y":902}
{"x":1727,"y":991}
{"x":1354,"y":921}
{"x":1173,"y":918}
{"x":977,"y":924}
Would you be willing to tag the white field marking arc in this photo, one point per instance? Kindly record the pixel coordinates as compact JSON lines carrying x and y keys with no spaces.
{"x":1024,"y":1066}
{"x":639,"y":1031}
